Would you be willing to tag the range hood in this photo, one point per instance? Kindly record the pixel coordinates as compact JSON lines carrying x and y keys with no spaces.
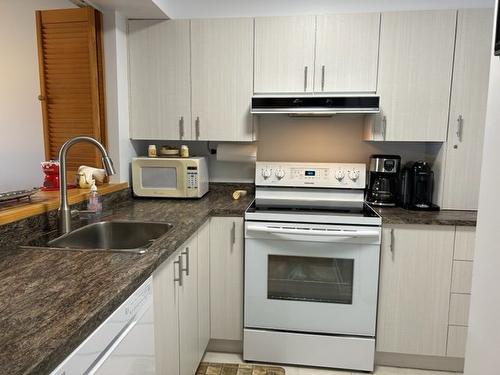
{"x":315,"y":105}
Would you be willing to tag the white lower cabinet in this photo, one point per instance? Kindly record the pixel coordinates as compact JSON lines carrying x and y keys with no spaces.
{"x":181,"y":307}
{"x":166,"y":312}
{"x":424,"y":292}
{"x":226,"y":278}
{"x":203,"y":288}
{"x":188,"y":308}
{"x":415,"y":274}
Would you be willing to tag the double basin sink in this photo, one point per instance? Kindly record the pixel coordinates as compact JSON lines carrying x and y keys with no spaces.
{"x":117,"y":236}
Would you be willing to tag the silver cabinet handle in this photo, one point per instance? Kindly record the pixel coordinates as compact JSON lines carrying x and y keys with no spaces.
{"x":305,"y":78}
{"x":197,"y":126}
{"x":384,"y":127}
{"x":233,"y":235}
{"x":322,"y":78}
{"x":181,"y":127}
{"x":186,"y":253}
{"x":392,"y":241}
{"x":179,"y":268}
{"x":460,"y":127}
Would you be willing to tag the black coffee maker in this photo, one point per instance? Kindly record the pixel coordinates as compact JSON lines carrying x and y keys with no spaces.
{"x":383,"y":180}
{"x":416,"y":187}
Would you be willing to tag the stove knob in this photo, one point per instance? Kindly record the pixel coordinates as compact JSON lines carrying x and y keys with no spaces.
{"x":354,"y":174}
{"x":280,"y":173}
{"x":266,"y":173}
{"x":339,"y":175}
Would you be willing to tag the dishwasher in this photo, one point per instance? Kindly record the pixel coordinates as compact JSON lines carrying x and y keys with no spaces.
{"x":122,"y":344}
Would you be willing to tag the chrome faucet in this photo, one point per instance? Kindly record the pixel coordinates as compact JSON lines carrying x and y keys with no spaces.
{"x":64,"y":210}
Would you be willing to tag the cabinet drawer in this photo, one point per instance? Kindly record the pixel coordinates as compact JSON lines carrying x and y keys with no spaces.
{"x":461,"y":280}
{"x":457,"y":339}
{"x":459,"y":309}
{"x":464,"y":243}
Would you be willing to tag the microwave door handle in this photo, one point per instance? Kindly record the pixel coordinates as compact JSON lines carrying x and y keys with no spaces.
{"x":312,"y":232}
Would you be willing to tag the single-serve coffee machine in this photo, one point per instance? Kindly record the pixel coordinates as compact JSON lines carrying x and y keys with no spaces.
{"x":417,"y":186}
{"x":383,"y":180}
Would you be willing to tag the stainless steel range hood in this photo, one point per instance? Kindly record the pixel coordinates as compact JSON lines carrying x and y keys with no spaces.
{"x":315,"y":105}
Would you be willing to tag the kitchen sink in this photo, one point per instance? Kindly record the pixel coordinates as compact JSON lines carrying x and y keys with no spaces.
{"x":120,"y":236}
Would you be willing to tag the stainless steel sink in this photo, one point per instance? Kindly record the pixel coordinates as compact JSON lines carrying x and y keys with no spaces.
{"x":121,"y":236}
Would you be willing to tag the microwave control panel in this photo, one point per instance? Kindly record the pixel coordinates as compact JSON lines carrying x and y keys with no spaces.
{"x":192,"y":177}
{"x":321,"y":175}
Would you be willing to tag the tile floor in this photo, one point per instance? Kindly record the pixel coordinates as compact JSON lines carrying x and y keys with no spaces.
{"x":292,"y":370}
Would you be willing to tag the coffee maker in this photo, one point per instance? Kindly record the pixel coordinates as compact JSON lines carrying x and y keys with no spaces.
{"x":417,"y":186}
{"x":383,"y":180}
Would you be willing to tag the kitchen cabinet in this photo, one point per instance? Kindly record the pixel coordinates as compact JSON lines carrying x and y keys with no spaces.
{"x":188,"y":308}
{"x":222,"y":79}
{"x":226,"y":278}
{"x":203,"y":288}
{"x":414,"y":292}
{"x":346,"y":52}
{"x":284,"y":54}
{"x":166,"y":313}
{"x":467,"y":109}
{"x":414,"y":77}
{"x":159,"y":78}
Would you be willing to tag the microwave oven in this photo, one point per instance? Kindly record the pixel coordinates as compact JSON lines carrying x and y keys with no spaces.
{"x":170,"y":177}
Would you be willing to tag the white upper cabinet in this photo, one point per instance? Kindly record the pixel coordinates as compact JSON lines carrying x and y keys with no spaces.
{"x":222,"y":73}
{"x":467,"y":109}
{"x":347,"y":53}
{"x":160,"y":88}
{"x":284,"y":54}
{"x":415,"y":67}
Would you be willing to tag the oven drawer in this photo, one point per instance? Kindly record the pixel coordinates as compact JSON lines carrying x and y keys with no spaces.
{"x":354,"y":353}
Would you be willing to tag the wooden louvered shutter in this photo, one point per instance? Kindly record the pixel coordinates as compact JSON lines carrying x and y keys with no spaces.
{"x":71,"y":82}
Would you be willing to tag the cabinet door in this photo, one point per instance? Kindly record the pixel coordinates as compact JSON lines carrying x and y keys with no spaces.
{"x":203,"y":288}
{"x":222,"y":72}
{"x":226,"y":278}
{"x":416,"y":57}
{"x":284,"y":54}
{"x":467,"y":109}
{"x":160,"y":87}
{"x":414,"y":292}
{"x":188,"y":308}
{"x":347,"y":52}
{"x":166,"y":313}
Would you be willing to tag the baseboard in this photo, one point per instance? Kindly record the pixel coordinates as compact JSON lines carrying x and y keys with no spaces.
{"x":225,"y":346}
{"x":425,"y":362}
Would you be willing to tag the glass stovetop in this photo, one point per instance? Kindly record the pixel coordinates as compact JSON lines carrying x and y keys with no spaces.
{"x":363,"y":210}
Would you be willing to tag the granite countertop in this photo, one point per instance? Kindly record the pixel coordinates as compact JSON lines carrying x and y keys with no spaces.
{"x":51,"y":300}
{"x":397,"y":215}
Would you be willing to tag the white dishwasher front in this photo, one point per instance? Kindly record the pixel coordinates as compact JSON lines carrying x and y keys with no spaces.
{"x":123,"y":344}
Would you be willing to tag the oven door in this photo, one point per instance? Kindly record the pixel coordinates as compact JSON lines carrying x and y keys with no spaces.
{"x":311,"y":278}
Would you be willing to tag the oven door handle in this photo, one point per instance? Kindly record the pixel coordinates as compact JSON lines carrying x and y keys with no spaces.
{"x":335,"y":235}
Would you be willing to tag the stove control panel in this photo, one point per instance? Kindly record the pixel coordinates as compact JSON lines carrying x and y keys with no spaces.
{"x":328,"y":175}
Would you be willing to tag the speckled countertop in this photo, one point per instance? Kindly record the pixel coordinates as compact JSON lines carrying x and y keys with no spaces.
{"x":397,"y":215}
{"x":50,"y":300}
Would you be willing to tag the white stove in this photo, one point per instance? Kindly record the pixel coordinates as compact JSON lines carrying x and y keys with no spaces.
{"x":311,"y":267}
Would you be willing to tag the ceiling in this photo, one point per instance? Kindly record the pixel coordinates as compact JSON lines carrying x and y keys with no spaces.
{"x":249,"y":8}
{"x":148,"y":9}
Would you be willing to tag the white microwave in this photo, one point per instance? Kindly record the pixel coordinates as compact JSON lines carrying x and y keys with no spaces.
{"x":170,"y":177}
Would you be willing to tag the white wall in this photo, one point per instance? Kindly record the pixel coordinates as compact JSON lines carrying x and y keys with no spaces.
{"x":116,"y":73}
{"x":483,"y":343}
{"x":21,"y":127}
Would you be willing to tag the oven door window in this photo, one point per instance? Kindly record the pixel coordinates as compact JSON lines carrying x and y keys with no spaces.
{"x":310,"y":279}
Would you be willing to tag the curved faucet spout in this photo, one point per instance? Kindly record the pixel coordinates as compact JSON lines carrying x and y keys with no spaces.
{"x":64,"y":211}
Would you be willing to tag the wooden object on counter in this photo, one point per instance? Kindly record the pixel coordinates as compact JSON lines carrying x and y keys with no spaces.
{"x":45,"y":201}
